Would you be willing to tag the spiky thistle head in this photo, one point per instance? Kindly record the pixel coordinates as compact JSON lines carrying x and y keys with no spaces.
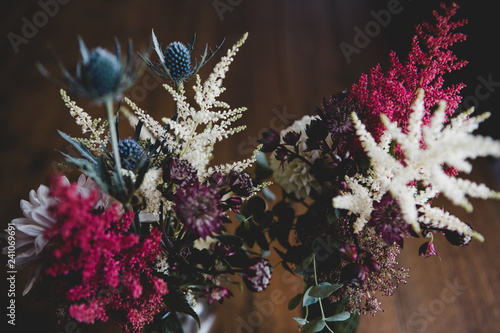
{"x":100,"y":75}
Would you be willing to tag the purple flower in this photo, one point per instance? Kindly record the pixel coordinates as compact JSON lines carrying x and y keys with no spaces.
{"x":217,"y":179}
{"x":336,"y":113}
{"x":240,"y":183}
{"x":270,"y":141}
{"x":291,"y":138}
{"x":180,"y":172}
{"x":388,"y":220}
{"x":215,"y":294}
{"x":353,"y":274}
{"x":222,"y":250}
{"x":257,"y":275}
{"x":428,"y":249}
{"x":198,"y":206}
{"x":349,"y":252}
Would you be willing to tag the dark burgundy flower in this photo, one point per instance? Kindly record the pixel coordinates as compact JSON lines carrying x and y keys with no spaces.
{"x":258,"y":274}
{"x":291,"y":138}
{"x":270,"y":141}
{"x":215,"y":294}
{"x":240,"y":183}
{"x":199,"y":208}
{"x":349,"y":252}
{"x":336,"y":113}
{"x":222,"y":250}
{"x":217,"y":179}
{"x":428,"y":249}
{"x":233,"y":203}
{"x":388,"y":220}
{"x":353,"y":274}
{"x":371,"y":265}
{"x":316,"y":130}
{"x":180,"y":172}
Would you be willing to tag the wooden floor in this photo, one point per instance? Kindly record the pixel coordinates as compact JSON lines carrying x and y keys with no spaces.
{"x":291,"y":60}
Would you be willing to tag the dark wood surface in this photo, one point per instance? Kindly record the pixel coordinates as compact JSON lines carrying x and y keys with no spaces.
{"x":291,"y":60}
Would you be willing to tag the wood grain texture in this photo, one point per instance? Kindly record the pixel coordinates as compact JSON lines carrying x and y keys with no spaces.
{"x":290,"y":62}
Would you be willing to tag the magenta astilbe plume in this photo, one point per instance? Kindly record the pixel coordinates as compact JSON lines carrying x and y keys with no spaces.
{"x":100,"y":269}
{"x":393,"y":93}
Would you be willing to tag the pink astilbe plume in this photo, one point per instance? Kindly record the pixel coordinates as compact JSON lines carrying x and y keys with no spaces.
{"x":100,"y":269}
{"x":393,"y":93}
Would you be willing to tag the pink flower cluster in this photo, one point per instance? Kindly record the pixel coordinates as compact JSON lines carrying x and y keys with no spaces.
{"x":393,"y":93}
{"x":99,"y":268}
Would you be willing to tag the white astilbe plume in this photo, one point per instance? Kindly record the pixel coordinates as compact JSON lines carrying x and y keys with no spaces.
{"x":96,"y":127}
{"x":427,"y":149}
{"x":198,"y":129}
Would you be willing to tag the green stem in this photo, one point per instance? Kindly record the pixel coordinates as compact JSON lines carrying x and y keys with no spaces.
{"x":114,"y":142}
{"x":319,"y":299}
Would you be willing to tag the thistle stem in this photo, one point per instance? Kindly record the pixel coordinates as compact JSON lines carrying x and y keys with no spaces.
{"x":114,"y":141}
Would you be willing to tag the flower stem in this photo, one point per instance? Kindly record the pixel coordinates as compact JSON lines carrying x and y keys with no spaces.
{"x":114,"y":141}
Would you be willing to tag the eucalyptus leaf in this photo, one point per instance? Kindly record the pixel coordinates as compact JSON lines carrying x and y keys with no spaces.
{"x":324,"y":289}
{"x":295,"y":301}
{"x":301,"y":321}
{"x":339,"y":317}
{"x":315,"y":325}
{"x":308,"y":300}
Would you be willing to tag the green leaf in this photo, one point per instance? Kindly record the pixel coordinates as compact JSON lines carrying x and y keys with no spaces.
{"x":295,"y":301}
{"x":175,"y":301}
{"x":315,"y":325}
{"x":304,"y":264}
{"x":339,"y":317}
{"x":230,"y":240}
{"x":308,"y":300}
{"x":324,"y":289}
{"x":301,"y":321}
{"x":256,"y":204}
{"x":79,"y":146}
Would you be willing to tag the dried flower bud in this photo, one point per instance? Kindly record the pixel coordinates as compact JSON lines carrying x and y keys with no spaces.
{"x":349,"y":252}
{"x":428,"y":249}
{"x":240,"y":183}
{"x":291,"y":138}
{"x":270,"y":140}
{"x":353,"y":274}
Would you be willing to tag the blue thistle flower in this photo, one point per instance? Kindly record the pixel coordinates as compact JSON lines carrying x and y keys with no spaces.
{"x":131,"y":153}
{"x":178,"y":61}
{"x":175,"y":63}
{"x":101,"y":75}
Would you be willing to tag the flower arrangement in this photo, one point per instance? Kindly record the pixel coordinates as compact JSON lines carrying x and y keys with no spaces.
{"x":141,"y":236}
{"x":366,"y":169}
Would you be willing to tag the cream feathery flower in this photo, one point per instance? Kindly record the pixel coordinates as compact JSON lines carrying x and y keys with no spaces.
{"x":427,"y":149}
{"x":294,"y":177}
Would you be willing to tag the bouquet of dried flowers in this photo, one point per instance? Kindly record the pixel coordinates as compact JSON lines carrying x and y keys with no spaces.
{"x":141,"y":235}
{"x":365,"y":170}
